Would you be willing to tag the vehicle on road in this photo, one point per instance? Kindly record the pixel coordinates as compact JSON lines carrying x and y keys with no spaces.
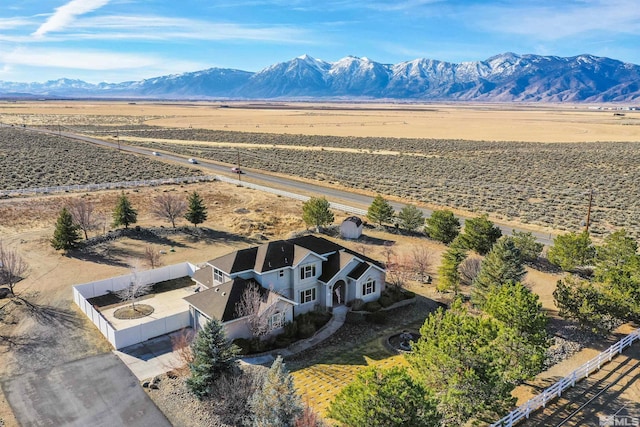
{"x":155,"y":153}
{"x":236,"y":170}
{"x":193,"y":161}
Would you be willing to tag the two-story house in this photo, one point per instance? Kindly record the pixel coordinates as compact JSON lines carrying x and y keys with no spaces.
{"x":298,"y":275}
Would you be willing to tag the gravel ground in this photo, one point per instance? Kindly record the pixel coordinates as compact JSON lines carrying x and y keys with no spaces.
{"x":180,"y":406}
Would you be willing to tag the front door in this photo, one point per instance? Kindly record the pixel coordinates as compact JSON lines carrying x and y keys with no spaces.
{"x":339,"y":293}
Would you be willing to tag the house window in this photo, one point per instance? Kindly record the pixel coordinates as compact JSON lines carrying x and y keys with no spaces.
{"x":307,"y":271}
{"x":308,"y":295}
{"x":281,"y":273}
{"x":218,"y":275}
{"x":368,"y":287}
{"x":276,"y":321}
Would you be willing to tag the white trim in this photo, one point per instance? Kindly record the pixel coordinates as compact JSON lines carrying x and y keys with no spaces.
{"x":371,"y":281}
{"x":315,"y":295}
{"x":323,"y":258}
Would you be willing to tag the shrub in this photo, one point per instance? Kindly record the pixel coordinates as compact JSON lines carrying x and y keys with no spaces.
{"x":282,"y":341}
{"x":306,"y":328}
{"x":377,"y":317}
{"x":372,"y":306}
{"x":258,"y":345}
{"x":394,"y":293}
{"x":243,"y":344}
{"x":386,"y":301}
{"x":409,"y":294}
{"x":291,"y":329}
{"x":357,"y":305}
{"x":320,"y":318}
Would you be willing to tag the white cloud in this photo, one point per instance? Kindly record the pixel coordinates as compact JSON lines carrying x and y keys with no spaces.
{"x":137,"y":27}
{"x":67,"y":13}
{"x":11,"y":23}
{"x":76,"y":59}
{"x":559,"y":20}
{"x":407,"y":5}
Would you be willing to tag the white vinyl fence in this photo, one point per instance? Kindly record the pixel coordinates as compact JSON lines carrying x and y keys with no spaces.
{"x":120,"y":338}
{"x":550,"y":393}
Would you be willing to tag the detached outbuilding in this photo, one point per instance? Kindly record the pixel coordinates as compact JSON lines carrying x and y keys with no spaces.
{"x":351,"y":228}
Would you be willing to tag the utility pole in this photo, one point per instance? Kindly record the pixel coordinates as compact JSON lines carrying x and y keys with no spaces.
{"x":589,"y":211}
{"x":118,"y":138}
{"x":238,"y":166}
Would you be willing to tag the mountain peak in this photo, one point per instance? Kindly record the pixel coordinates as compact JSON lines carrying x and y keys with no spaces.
{"x":506,"y":77}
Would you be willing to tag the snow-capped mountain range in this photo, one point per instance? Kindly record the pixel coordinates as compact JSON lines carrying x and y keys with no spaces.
{"x":501,"y":78}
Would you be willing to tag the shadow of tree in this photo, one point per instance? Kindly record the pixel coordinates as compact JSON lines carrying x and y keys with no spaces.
{"x":208,"y":235}
{"x":108,"y":255}
{"x":369,"y":240}
{"x":11,"y":342}
{"x":47,"y":314}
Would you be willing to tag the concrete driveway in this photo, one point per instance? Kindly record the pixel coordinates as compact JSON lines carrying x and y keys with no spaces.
{"x":97,"y":391}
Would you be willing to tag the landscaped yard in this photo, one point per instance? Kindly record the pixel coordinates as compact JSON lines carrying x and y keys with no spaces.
{"x":320,"y":373}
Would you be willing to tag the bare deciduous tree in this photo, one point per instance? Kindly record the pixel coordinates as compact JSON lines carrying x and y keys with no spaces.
{"x":399,"y":271}
{"x":388,"y":251}
{"x":309,"y":418}
{"x":469,"y":269}
{"x":12,"y":266}
{"x":232,"y":393}
{"x":181,"y":346}
{"x":152,"y":257}
{"x":421,"y":259}
{"x":169,"y":207}
{"x":257,"y":306}
{"x":82,"y":211}
{"x":362,"y":248}
{"x":136,"y":288}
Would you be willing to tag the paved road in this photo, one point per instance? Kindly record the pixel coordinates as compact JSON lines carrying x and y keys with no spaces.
{"x":98,"y":391}
{"x":349,"y":198}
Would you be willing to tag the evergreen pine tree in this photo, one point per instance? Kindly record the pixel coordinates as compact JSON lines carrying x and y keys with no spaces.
{"x":519,"y":308}
{"x":501,"y":265}
{"x":480,"y":234}
{"x":213,"y":355}
{"x":410,"y":218}
{"x":66,"y":234}
{"x":443,"y":226}
{"x":571,"y":250}
{"x":197,"y":211}
{"x":389,"y":398}
{"x":124,"y":214}
{"x":316,"y":212}
{"x":276,"y":403}
{"x":530,"y":248}
{"x":448,"y":273}
{"x":380,"y":210}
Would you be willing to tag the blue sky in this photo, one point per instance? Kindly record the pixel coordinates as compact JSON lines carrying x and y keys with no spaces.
{"x":121,"y":40}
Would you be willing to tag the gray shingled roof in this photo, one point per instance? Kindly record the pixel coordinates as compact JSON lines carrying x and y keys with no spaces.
{"x":220,"y":301}
{"x":335,"y":262}
{"x":359,"y":270}
{"x":287,"y":253}
{"x":357,"y":221}
{"x":204,"y":276}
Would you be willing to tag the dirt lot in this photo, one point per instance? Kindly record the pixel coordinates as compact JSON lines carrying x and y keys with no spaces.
{"x":486,"y":122}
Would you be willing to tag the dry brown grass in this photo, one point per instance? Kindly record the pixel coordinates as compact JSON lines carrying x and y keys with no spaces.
{"x":490,"y":122}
